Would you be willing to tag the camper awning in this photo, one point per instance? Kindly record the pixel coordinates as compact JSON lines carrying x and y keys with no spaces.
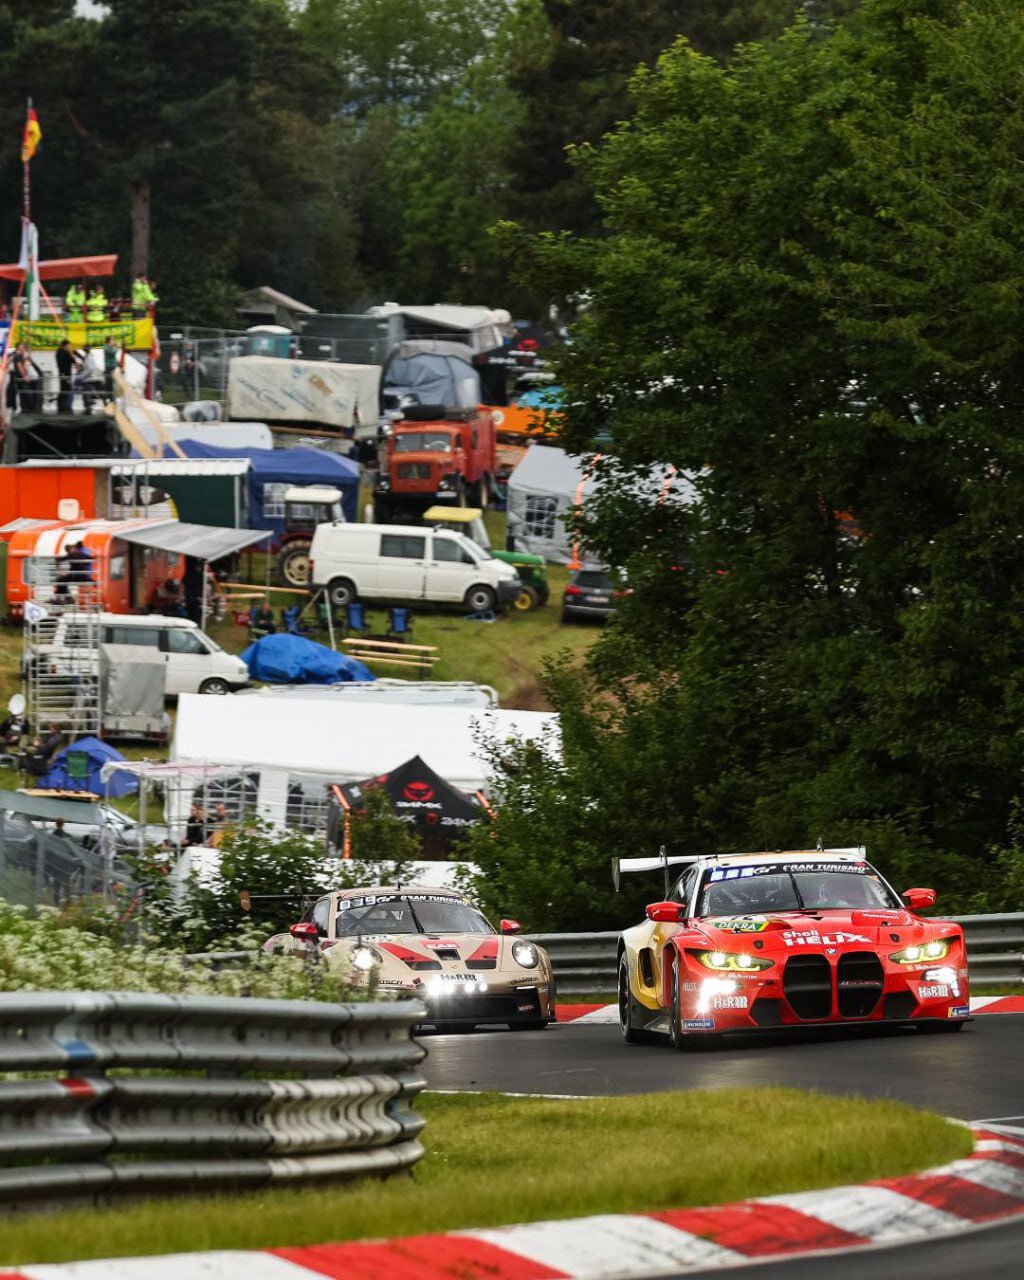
{"x":49,"y":808}
{"x":203,"y":541}
{"x":96,"y":267}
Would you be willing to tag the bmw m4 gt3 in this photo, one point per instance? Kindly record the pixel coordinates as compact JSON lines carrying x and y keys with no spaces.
{"x":758,"y":942}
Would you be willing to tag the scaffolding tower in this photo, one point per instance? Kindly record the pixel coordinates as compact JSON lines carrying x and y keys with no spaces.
{"x":61,"y":646}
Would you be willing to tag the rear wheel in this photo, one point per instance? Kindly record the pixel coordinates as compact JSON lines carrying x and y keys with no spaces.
{"x":293,"y":563}
{"x":629,"y":1033}
{"x":341,"y":592}
{"x":479,"y":599}
{"x":526,"y":599}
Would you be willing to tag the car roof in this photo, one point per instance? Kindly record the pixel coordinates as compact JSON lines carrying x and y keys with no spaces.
{"x":133,"y":619}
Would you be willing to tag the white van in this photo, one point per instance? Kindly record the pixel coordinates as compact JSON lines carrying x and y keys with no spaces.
{"x":407,"y":562}
{"x":195,"y":663}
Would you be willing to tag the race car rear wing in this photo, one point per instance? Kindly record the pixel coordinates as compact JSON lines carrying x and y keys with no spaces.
{"x":626,"y":866}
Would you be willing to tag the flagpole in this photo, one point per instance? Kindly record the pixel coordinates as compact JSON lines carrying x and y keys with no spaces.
{"x":25,"y":168}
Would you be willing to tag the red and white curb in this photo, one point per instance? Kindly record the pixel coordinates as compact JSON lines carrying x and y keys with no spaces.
{"x":984,"y":1188}
{"x":591,"y":1014}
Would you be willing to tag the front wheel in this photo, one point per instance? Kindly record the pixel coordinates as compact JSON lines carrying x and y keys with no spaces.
{"x":480,"y":599}
{"x":215,"y":686}
{"x":675,"y":1012}
{"x":341,"y":592}
{"x":526,"y":599}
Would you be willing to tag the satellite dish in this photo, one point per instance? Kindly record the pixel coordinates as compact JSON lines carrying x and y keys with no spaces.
{"x":16,"y":704}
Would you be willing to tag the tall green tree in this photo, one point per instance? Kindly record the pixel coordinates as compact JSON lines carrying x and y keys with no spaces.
{"x":807,"y":297}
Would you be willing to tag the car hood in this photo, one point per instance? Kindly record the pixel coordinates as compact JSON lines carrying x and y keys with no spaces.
{"x":783,"y":931}
{"x":414,"y":949}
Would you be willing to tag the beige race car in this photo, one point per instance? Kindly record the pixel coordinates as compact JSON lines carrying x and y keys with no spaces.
{"x":432,"y":944}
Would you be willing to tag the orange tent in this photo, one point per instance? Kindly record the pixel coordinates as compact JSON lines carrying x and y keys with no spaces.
{"x":65,"y":268}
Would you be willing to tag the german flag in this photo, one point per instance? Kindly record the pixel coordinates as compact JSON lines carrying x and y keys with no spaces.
{"x":30,"y":138}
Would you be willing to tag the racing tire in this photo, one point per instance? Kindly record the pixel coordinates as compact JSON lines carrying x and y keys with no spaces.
{"x":479,"y":599}
{"x":675,"y":1013}
{"x":629,"y":1033}
{"x":293,"y":564}
{"x":340,"y":592}
{"x":526,"y":600}
{"x":215,"y":686}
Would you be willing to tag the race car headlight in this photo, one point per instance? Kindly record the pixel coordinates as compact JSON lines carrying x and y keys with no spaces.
{"x":938,"y":949}
{"x":364,"y":958}
{"x":732,"y":961}
{"x":525,"y":953}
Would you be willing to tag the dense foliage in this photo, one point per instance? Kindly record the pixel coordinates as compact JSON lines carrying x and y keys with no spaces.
{"x":343,"y":151}
{"x":808,"y":297}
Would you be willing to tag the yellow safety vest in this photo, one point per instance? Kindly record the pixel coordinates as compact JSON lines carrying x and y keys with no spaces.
{"x":97,"y":306}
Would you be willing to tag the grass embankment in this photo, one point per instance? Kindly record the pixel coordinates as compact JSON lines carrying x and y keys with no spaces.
{"x":493,"y":1160}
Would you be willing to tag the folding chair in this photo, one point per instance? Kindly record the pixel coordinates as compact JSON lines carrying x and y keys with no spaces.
{"x":399,"y":623}
{"x":292,"y":622}
{"x":76,"y":765}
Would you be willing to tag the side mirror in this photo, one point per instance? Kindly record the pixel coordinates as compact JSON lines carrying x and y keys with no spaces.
{"x":665,"y":912}
{"x":305,"y":932}
{"x":510,"y":926}
{"x":918,"y":899}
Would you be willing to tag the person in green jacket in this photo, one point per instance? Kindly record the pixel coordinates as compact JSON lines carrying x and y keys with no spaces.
{"x":74,"y":303}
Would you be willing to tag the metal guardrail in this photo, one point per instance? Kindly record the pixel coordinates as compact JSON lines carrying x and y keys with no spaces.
{"x":92,"y":1135}
{"x":585,"y":962}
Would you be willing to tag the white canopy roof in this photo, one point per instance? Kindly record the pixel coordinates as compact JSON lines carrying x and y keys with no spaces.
{"x":349,"y":740}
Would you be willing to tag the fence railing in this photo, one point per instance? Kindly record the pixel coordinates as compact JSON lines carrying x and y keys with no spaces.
{"x":585,"y":962}
{"x":344,"y":1111}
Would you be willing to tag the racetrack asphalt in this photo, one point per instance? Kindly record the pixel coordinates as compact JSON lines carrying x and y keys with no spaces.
{"x":974,"y":1074}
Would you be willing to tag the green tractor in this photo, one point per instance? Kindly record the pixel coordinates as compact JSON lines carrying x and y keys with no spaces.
{"x":532,"y":570}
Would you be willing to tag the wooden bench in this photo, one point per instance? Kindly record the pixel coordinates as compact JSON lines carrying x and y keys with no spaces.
{"x":392,"y":653}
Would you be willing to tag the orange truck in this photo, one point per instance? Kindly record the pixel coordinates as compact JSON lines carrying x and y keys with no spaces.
{"x":126,"y":576}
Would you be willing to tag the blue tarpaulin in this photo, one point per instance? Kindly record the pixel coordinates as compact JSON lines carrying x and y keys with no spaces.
{"x":98,"y":754}
{"x":295,"y":660}
{"x":286,"y":467}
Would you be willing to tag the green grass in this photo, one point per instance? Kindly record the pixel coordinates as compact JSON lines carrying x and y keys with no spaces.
{"x":493,"y":1159}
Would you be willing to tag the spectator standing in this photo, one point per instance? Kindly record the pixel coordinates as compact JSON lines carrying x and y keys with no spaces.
{"x":74,"y":303}
{"x":97,"y":306}
{"x":67,"y":363}
{"x":109,"y":365}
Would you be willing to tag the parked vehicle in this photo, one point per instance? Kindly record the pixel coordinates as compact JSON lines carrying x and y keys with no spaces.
{"x":592,"y":593}
{"x":532,"y":570}
{"x":121,"y":577}
{"x":195,"y":663}
{"x":408,"y":563}
{"x":305,"y":507}
{"x":435,"y":454}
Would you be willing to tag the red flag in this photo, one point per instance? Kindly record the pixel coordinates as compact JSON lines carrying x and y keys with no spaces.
{"x":30,"y":138}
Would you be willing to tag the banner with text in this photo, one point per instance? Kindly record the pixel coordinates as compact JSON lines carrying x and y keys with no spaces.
{"x":47,"y":335}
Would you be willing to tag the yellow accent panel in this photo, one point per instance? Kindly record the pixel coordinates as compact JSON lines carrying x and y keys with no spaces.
{"x":47,"y":335}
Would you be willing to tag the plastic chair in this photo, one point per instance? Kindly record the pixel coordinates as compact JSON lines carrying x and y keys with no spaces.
{"x":76,"y":765}
{"x":399,"y":623}
{"x":355,"y":618}
{"x":292,"y":622}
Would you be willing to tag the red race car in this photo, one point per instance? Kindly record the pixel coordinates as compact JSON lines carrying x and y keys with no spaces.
{"x":763,"y":941}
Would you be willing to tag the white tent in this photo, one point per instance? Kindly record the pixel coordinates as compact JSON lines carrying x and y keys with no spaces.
{"x":298,"y":741}
{"x":548,"y":484}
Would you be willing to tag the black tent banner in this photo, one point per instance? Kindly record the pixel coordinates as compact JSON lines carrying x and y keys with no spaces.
{"x":418,"y":795}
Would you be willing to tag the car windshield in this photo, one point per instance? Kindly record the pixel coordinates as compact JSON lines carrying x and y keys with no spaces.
{"x":418,"y":441}
{"x":394,"y":913}
{"x":594,"y":580}
{"x":799,"y":887}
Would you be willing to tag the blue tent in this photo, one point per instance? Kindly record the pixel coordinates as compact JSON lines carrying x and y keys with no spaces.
{"x":294,"y":660}
{"x":98,"y":754}
{"x":286,"y":467}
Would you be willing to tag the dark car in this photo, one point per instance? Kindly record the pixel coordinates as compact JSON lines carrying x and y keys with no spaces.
{"x":591,"y":592}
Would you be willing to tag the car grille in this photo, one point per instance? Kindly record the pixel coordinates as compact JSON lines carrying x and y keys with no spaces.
{"x":485,"y":1008}
{"x":807,"y":983}
{"x":859,"y":980}
{"x":413,"y":470}
{"x":481,"y":964}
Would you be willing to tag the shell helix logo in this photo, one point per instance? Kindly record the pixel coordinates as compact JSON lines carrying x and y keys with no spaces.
{"x":419,"y":792}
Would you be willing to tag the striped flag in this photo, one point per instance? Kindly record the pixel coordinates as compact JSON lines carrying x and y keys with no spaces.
{"x":31,"y":136}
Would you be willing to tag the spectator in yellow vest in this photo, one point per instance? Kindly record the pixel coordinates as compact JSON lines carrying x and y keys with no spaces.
{"x":98,"y":304}
{"x":74,"y":302}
